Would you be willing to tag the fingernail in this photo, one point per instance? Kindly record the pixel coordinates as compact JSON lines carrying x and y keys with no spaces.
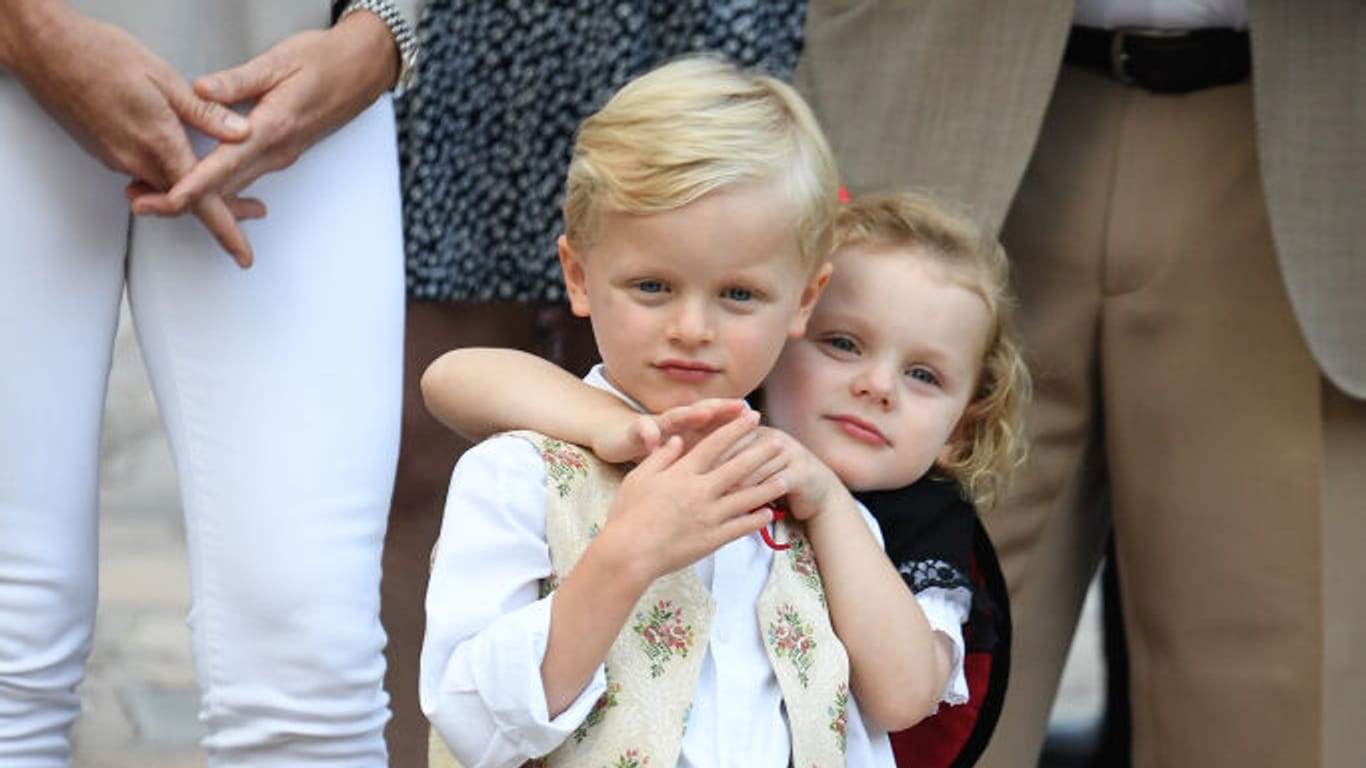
{"x":236,"y":123}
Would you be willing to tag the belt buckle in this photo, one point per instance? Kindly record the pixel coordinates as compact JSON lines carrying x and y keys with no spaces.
{"x":1119,"y":56}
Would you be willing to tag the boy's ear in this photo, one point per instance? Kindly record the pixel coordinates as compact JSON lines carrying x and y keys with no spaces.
{"x":575,"y":281}
{"x":810,"y":293}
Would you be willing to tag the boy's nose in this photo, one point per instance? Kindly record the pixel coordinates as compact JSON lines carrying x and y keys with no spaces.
{"x":691,"y":324}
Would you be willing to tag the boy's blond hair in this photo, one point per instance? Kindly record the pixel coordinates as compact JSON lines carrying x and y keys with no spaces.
{"x":693,"y":126}
{"x":988,"y":443}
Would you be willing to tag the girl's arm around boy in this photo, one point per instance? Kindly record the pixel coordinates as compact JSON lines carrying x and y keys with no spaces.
{"x":898,"y":666}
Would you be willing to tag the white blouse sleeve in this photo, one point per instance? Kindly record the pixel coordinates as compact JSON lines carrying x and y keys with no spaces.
{"x":945,"y":610}
{"x":487,"y":625}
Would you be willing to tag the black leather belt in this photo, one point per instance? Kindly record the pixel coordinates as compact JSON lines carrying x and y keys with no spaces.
{"x":1163,"y":61}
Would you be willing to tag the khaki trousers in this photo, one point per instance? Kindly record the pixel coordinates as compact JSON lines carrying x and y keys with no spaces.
{"x":1176,"y":397}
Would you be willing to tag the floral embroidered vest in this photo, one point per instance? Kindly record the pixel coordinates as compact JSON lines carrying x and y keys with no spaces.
{"x":653,"y":665}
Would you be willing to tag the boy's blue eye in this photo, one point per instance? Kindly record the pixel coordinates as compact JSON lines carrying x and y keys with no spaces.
{"x":650,"y":286}
{"x":738,"y":294}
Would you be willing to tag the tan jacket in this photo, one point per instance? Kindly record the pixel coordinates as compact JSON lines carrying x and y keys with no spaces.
{"x":949,"y":95}
{"x":199,"y":36}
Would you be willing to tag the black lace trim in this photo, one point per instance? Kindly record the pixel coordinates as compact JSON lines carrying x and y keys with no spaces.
{"x":920,"y":575}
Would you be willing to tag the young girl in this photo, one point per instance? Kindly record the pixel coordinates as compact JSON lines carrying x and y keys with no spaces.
{"x":907,"y":370}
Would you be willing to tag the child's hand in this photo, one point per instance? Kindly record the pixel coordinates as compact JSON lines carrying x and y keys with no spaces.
{"x":809,"y":481}
{"x":646,"y":432}
{"x":677,"y":507}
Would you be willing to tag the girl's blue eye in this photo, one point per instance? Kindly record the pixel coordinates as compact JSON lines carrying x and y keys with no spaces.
{"x":738,"y":294}
{"x":650,"y":286}
{"x":923,"y":374}
{"x":842,"y":343}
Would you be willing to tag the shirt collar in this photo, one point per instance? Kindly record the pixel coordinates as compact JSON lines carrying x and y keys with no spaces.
{"x":597,"y":377}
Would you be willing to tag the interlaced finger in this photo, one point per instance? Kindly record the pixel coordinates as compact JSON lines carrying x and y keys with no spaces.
{"x":208,"y":117}
{"x":246,"y":208}
{"x":214,"y":213}
{"x":661,"y":458}
{"x":765,"y":471}
{"x":211,"y":173}
{"x":731,"y":472}
{"x":750,"y":520}
{"x":243,"y":208}
{"x":708,"y":452}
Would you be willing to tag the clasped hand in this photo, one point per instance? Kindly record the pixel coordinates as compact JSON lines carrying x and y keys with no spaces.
{"x":129,"y":108}
{"x":304,"y":88}
{"x":683,"y":502}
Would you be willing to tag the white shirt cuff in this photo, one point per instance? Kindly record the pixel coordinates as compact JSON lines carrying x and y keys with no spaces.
{"x":489,"y":672}
{"x":946,"y":610}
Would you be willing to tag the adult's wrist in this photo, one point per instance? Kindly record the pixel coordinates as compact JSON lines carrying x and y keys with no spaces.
{"x":22,"y":22}
{"x":401,"y":33}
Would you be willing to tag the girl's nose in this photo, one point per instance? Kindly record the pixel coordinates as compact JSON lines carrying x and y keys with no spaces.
{"x":877,"y":383}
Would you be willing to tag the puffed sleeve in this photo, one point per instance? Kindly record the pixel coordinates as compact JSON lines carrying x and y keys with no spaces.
{"x":487,"y":623}
{"x":945,"y":609}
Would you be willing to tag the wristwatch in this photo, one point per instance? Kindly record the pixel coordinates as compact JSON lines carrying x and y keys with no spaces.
{"x":398,"y":27}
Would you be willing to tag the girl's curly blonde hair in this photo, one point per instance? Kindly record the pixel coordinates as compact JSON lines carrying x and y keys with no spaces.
{"x":989,"y":442}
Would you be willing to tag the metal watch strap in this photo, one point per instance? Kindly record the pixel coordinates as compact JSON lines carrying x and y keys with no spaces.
{"x":403,"y":34}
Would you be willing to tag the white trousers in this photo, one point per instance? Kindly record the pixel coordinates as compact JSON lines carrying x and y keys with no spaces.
{"x":279,"y":388}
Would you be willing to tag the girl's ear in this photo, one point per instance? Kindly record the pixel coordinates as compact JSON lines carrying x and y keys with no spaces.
{"x":810,"y":293}
{"x":575,"y":279}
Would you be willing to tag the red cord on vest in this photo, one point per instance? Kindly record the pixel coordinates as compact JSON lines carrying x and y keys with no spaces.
{"x":778,"y":514}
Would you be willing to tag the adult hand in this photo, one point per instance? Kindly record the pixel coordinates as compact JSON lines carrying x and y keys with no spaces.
{"x":123,"y":104}
{"x":305,"y":87}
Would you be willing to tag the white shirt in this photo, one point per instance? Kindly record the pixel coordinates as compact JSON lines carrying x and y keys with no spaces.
{"x":487,"y":626}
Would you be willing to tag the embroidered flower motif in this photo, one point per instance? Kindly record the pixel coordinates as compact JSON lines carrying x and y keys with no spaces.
{"x":663,"y":634}
{"x":563,"y":462}
{"x":631,"y":758}
{"x":791,"y":638}
{"x":839,"y":714}
{"x":606,"y":701}
{"x":802,"y":558}
{"x":550,"y":583}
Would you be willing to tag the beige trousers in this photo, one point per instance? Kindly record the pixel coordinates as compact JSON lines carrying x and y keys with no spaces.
{"x":1176,"y":397}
